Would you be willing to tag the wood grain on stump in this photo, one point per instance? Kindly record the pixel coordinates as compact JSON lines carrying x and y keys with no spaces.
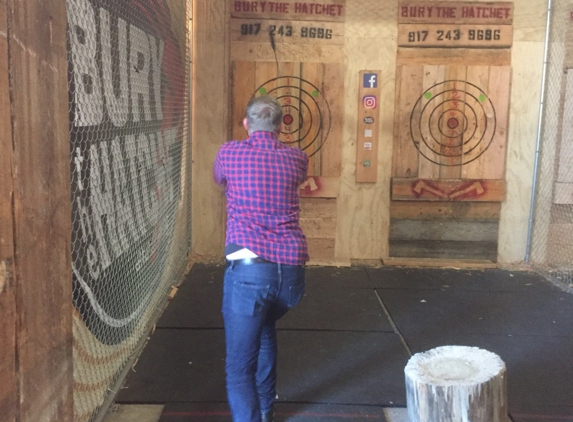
{"x":456,"y":384}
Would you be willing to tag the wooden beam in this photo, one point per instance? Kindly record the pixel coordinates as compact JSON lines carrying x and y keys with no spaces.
{"x":295,"y":52}
{"x":445,"y":230}
{"x":321,"y":253}
{"x":443,"y":249}
{"x":453,"y":210}
{"x":318,"y":207}
{"x":441,"y":263}
{"x":8,"y":386}
{"x":318,"y":228}
{"x":454,"y":56}
{"x":210,"y":122}
{"x":42,"y":208}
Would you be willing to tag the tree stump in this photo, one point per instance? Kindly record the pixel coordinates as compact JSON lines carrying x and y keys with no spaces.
{"x":456,"y":384}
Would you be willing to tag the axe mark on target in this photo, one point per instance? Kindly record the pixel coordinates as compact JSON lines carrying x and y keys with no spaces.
{"x":306,"y":113}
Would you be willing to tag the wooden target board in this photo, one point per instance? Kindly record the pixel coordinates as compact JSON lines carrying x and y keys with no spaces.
{"x":308,"y":94}
{"x":293,"y":51}
{"x":451,"y":123}
{"x":450,"y":132}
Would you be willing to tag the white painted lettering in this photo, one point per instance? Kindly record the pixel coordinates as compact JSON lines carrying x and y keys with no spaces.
{"x":157,"y":48}
{"x":87,"y":93}
{"x":139,"y":60}
{"x":117,"y":101}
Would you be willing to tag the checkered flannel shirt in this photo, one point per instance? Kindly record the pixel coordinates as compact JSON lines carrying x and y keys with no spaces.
{"x":262,"y":176}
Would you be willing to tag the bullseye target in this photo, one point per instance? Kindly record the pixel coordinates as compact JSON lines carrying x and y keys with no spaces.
{"x":306,"y":114}
{"x":453,"y":123}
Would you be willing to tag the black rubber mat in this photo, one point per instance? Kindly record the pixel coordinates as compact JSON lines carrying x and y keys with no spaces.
{"x":219,"y":412}
{"x":327,"y":304}
{"x":178,"y":365}
{"x":197,"y":303}
{"x":539,"y":370}
{"x":339,"y":277}
{"x":339,"y":359}
{"x":341,"y":368}
{"x":325,"y":307}
{"x":552,"y":415}
{"x":314,"y":366}
{"x":488,"y":280}
{"x":547,"y":312}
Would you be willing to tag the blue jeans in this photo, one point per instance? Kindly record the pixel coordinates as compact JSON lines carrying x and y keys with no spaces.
{"x":255,"y":296}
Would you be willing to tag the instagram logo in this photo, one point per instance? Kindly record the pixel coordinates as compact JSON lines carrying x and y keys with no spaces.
{"x":369,"y":101}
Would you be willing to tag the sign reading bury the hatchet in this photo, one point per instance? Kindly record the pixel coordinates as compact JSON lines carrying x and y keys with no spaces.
{"x":455,"y":24}
{"x":126,"y":115}
{"x":288,"y":22}
{"x":330,"y":11}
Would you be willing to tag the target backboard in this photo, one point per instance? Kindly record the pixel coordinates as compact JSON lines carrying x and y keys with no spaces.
{"x":294,"y":51}
{"x":451,"y":122}
{"x":308,"y":94}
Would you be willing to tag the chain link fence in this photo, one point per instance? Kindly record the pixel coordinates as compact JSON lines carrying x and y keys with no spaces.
{"x":552,"y":234}
{"x":129,"y":67}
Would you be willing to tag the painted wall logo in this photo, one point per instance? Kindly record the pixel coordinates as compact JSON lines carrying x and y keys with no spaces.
{"x":127,"y":86}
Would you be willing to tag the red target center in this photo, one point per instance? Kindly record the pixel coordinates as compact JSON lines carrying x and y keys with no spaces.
{"x":287,"y":120}
{"x":453,"y":123}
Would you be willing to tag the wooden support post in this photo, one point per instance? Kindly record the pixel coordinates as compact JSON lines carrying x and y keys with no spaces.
{"x":35,"y":214}
{"x":8,"y":386}
{"x":456,"y":384}
{"x":209,"y":115}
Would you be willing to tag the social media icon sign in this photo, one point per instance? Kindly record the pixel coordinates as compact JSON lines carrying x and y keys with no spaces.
{"x":370,"y":80}
{"x":369,"y":101}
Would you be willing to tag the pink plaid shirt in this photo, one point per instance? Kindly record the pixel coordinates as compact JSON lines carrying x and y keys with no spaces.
{"x":262,"y":177}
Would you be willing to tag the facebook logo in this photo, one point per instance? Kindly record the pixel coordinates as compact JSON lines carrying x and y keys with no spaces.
{"x":370,"y":80}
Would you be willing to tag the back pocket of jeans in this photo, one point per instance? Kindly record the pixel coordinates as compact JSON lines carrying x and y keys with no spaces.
{"x":249,"y":299}
{"x":296,"y":293}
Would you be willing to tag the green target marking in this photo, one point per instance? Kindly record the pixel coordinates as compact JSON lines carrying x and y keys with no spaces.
{"x":482,"y":98}
{"x":262,"y":91}
{"x":428,"y":95}
{"x":315,"y":93}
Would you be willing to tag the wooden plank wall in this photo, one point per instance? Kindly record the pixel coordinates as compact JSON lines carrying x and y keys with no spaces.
{"x":36,"y":156}
{"x":449,"y":230}
{"x":8,"y":386}
{"x":321,"y":141}
{"x":210,"y":123}
{"x":362,"y":212}
{"x":363,"y":209}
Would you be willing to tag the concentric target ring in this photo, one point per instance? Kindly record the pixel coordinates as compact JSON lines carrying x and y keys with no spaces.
{"x":452,"y":126}
{"x":303,"y":110}
{"x":454,"y":121}
{"x":447,"y":149}
{"x":307,"y":120}
{"x":288,"y":119}
{"x":466,"y":133}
